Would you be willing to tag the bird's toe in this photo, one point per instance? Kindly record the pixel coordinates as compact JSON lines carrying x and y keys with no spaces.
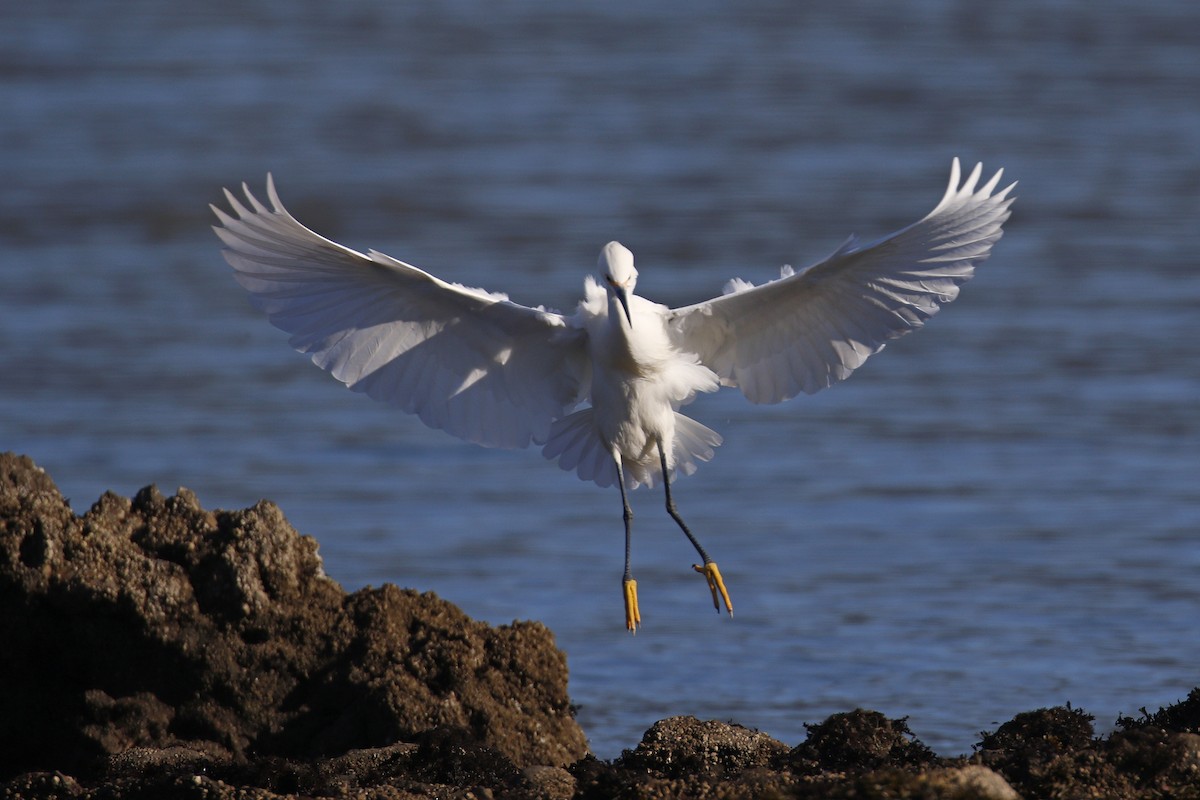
{"x":716,"y":585}
{"x":633,"y":617}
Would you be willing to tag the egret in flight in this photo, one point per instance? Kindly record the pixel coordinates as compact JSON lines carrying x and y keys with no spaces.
{"x":600,"y":390}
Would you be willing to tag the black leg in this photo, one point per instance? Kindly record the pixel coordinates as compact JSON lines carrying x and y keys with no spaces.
{"x":709,"y":570}
{"x":633,"y":616}
{"x":662,"y":459}
{"x":628,"y":515}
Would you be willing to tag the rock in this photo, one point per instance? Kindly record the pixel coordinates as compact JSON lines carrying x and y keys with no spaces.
{"x":1183,"y":717}
{"x":969,"y":782}
{"x":859,"y":739}
{"x":1045,"y":732}
{"x":550,"y":783}
{"x":861,"y":753}
{"x":683,"y":746}
{"x":1053,"y":752}
{"x":179,"y":760}
{"x":153,"y":649}
{"x":154,"y":623}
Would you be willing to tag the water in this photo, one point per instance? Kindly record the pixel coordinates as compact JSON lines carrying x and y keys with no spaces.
{"x":996,"y":514}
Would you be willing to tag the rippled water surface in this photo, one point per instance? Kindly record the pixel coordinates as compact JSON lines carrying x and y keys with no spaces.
{"x":998,"y":513}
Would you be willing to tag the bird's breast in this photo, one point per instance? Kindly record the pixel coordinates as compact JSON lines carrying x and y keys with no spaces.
{"x":622,"y":361}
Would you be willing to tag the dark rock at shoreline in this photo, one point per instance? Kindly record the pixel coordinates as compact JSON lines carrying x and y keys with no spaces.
{"x":154,"y":623}
{"x":153,"y":649}
{"x":1054,"y":752}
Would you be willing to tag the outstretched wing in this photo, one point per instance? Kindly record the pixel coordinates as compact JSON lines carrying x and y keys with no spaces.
{"x":811,"y":329}
{"x":466,"y":361}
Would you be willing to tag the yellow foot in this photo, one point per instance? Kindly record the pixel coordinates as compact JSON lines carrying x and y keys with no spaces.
{"x":633,"y":617}
{"x":715,"y":585}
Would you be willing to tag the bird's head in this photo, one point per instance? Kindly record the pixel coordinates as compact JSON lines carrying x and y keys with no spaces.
{"x":616,"y":267}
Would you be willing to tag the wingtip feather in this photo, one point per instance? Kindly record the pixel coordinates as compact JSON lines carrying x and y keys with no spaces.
{"x":952,"y":186}
{"x":991,"y":184}
{"x":254,"y":201}
{"x":273,"y":195}
{"x":968,"y":187}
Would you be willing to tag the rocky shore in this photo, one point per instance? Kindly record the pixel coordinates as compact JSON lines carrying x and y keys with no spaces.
{"x":153,"y":649}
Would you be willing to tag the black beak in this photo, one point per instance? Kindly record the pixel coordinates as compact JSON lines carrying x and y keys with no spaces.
{"x":623,"y":299}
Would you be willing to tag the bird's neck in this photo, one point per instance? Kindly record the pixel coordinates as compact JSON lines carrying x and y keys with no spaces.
{"x":622,"y":354}
{"x":619,"y":325}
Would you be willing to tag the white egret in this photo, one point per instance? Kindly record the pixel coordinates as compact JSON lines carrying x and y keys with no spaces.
{"x":600,"y":389}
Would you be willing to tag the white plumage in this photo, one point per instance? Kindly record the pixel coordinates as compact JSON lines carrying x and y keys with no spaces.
{"x":601,"y":389}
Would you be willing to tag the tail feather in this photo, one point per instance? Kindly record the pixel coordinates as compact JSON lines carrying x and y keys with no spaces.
{"x":575,"y":443}
{"x":577,"y":447}
{"x":693,"y":442}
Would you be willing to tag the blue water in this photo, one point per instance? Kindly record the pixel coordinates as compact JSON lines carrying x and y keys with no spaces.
{"x":998,"y":513}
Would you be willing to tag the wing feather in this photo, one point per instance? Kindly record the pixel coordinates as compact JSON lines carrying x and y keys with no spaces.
{"x":811,"y":329}
{"x":464,"y":360}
